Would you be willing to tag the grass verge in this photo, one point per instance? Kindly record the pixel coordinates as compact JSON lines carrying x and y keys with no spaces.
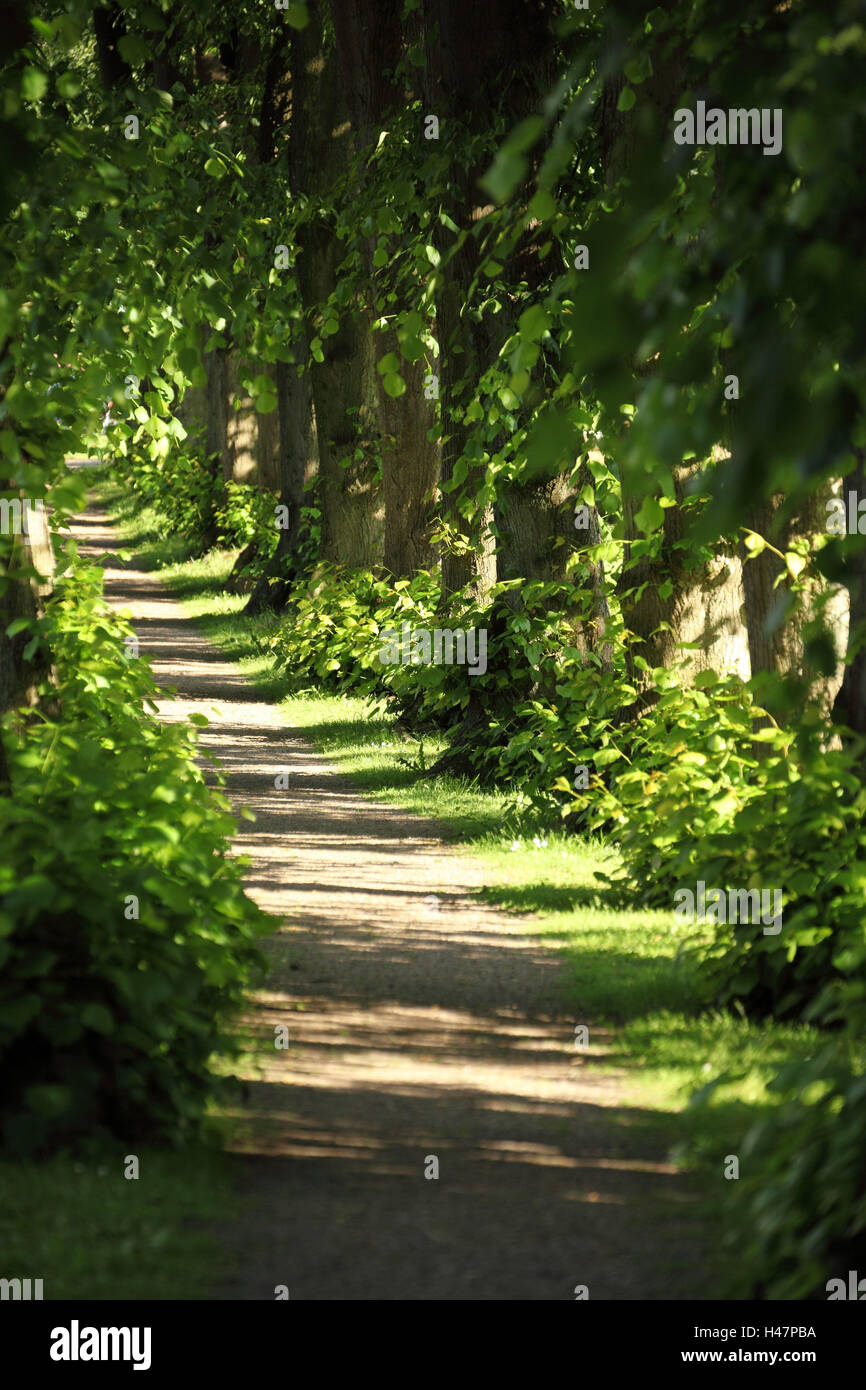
{"x":90,"y":1233}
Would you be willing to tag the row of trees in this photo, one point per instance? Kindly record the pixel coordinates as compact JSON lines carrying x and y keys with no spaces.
{"x":435,"y":284}
{"x":449,"y":260}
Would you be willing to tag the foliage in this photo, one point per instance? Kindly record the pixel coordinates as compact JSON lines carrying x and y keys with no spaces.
{"x":333,"y":631}
{"x":184,"y":487}
{"x":797,"y":1217}
{"x":245,"y":514}
{"x":198,"y":504}
{"x":540,"y":698}
{"x":110,"y":1016}
{"x":703,"y":261}
{"x":704,"y":788}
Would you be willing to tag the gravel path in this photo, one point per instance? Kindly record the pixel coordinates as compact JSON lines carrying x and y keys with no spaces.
{"x":422,"y":1024}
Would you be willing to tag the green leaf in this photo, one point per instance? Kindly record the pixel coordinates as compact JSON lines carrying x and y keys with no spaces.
{"x":550,"y":445}
{"x":97,"y":1017}
{"x":626,"y":99}
{"x":33,"y":83}
{"x":412,"y":348}
{"x":394,"y":384}
{"x":152,"y":19}
{"x":298,"y":15}
{"x":794,"y":563}
{"x":754,"y":543}
{"x":650,"y":516}
{"x":68,"y":85}
{"x":533,"y":323}
{"x":605,"y":756}
{"x":50,"y":1101}
{"x":134,"y":49}
{"x":543,"y":205}
{"x":637,"y":70}
{"x":505,"y":175}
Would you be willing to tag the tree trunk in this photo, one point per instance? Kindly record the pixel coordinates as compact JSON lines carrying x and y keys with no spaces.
{"x":344,"y":382}
{"x":240,"y":456}
{"x":538,"y":541}
{"x":410,"y":469}
{"x":22,"y":595}
{"x":850,"y":704}
{"x":109,"y":27}
{"x":369,"y":40}
{"x":297,"y":459}
{"x":192,"y":408}
{"x":466,"y":57}
{"x":777,"y":632}
{"x":668,"y":600}
{"x":476,"y":66}
{"x":216,"y":425}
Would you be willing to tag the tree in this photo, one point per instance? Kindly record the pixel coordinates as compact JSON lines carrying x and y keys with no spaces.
{"x":343,"y":373}
{"x":369,"y":41}
{"x":474,"y":73}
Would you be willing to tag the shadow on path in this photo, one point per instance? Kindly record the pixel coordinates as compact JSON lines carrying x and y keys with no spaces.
{"x":422,"y":1023}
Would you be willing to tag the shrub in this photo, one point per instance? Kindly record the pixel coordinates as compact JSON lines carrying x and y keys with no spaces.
{"x":797,"y":1215}
{"x":108,"y":1019}
{"x":332,"y":633}
{"x":184,"y":487}
{"x":692,"y":799}
{"x":198,"y":504}
{"x":244,"y":514}
{"x":540,"y":698}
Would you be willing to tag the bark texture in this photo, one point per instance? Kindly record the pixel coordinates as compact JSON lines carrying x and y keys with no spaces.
{"x":776,"y":625}
{"x":297,"y":460}
{"x":22,"y":595}
{"x":474,"y":67}
{"x":369,"y":42}
{"x":674,"y":598}
{"x":344,"y":382}
{"x":850,"y":703}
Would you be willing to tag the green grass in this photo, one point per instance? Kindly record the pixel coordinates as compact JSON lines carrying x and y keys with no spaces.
{"x":89,"y":1232}
{"x":629,"y":977}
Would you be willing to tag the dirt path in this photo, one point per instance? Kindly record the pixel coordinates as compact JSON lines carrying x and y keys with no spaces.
{"x":422,"y":1023}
